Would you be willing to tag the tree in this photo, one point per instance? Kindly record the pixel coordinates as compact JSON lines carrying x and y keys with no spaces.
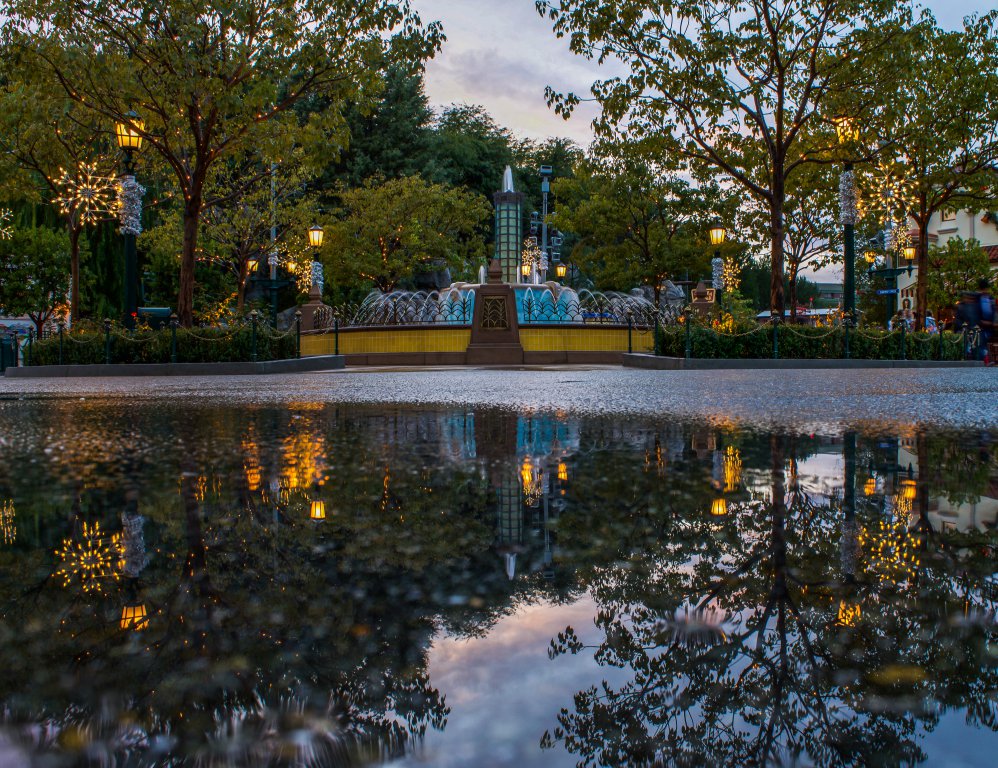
{"x":214,"y":79}
{"x":34,"y":278}
{"x":945,"y":137}
{"x":58,"y":152}
{"x":637,"y":224}
{"x":469,"y":149}
{"x":956,"y":267}
{"x":271,"y":213}
{"x":731,"y":88}
{"x":389,"y":230}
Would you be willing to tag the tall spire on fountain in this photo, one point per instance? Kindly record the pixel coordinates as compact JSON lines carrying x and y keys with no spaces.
{"x":508,"y":227}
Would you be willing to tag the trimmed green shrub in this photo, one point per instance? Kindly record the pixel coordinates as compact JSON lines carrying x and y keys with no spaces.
{"x":195,"y":345}
{"x":806,"y":343}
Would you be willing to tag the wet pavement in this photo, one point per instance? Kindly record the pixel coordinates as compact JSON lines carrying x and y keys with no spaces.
{"x":798,"y":399}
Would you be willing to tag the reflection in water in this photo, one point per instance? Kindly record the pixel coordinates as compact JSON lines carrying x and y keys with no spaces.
{"x":760,"y":599}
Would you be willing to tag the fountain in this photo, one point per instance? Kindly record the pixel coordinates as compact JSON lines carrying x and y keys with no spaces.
{"x":497,"y":320}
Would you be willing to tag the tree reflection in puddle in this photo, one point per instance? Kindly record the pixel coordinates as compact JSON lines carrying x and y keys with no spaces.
{"x":262,"y":586}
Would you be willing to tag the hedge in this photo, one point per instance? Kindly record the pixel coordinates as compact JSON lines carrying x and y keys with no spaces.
{"x":195,"y":345}
{"x":806,"y":343}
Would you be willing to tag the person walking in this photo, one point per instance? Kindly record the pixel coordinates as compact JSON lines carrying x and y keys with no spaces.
{"x":986,"y":321}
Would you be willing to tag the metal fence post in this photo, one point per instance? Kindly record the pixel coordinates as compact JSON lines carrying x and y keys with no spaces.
{"x":298,"y":334}
{"x":62,"y":325}
{"x":253,"y":332}
{"x":657,"y":343}
{"x":847,"y":324}
{"x":31,"y":338}
{"x":173,"y":336}
{"x":107,"y":341}
{"x":941,"y":334}
{"x":630,"y":327}
{"x":904,"y":331}
{"x":776,"y":337}
{"x":689,"y":339}
{"x":336,"y":336}
{"x":15,"y":349}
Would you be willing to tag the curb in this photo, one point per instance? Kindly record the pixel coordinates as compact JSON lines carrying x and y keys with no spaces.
{"x":650,"y":362}
{"x":302,"y":365}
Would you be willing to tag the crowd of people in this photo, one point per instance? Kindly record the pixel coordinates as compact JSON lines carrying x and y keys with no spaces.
{"x":975,"y":313}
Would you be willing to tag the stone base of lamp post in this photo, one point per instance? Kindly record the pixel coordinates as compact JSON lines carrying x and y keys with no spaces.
{"x":309,"y":309}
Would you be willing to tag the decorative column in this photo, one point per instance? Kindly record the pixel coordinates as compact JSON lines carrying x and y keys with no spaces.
{"x":848,"y":199}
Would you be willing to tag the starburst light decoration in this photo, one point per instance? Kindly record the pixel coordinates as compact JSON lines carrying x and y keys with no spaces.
{"x":87,"y":194}
{"x":93,"y":561}
{"x":8,"y":522}
{"x":891,"y":550}
{"x":6,"y":230}
{"x":729,"y":275}
{"x":887,"y":195}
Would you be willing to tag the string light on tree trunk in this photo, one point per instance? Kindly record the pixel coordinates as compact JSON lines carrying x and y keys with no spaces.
{"x":87,"y":194}
{"x":6,"y":231}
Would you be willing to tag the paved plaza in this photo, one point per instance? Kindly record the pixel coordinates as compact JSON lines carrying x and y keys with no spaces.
{"x":798,"y":399}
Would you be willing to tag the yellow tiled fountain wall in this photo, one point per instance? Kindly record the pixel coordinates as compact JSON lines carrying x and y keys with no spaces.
{"x":533,"y":339}
{"x":584,"y":339}
{"x":371,"y":342}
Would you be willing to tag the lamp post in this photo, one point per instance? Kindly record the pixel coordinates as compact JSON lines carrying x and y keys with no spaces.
{"x":561,"y":270}
{"x":718,"y":234}
{"x":128,"y":134}
{"x":848,"y":133}
{"x":315,"y":237}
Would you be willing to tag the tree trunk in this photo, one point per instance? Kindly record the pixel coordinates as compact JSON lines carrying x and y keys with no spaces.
{"x":241,"y":285}
{"x":74,"y":269}
{"x":793,"y":291}
{"x":185,"y":301}
{"x":922,"y":280}
{"x":776,"y":304}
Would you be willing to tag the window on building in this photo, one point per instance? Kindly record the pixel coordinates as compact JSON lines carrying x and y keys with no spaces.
{"x":949,"y":215}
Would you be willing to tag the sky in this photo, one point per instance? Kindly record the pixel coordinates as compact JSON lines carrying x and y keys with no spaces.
{"x":502,"y":54}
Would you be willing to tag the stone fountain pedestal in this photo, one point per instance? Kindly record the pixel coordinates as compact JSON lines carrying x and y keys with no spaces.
{"x":495,"y":332}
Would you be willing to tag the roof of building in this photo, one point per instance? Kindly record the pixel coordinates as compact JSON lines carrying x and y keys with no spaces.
{"x":992,"y":252}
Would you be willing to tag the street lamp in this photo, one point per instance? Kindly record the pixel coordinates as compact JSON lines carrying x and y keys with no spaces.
{"x":718,"y":234}
{"x":315,"y":235}
{"x":561,"y":270}
{"x":525,"y":269}
{"x":848,"y":133}
{"x":128,"y":134}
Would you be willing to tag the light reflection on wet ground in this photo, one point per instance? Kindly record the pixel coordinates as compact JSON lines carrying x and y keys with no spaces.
{"x":489,"y":586}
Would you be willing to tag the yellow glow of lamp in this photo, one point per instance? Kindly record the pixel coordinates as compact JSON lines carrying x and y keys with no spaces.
{"x":252,"y":265}
{"x":719,"y":508}
{"x":133,"y":616}
{"x":871,"y":256}
{"x":128,"y":133}
{"x":870,"y":487}
{"x":908,"y":490}
{"x":562,"y":471}
{"x":718,"y":235}
{"x":525,"y":270}
{"x":849,"y":614}
{"x":845,"y":129}
{"x":909,"y":252}
{"x":315,"y":235}
{"x":318,"y":512}
{"x":561,"y":270}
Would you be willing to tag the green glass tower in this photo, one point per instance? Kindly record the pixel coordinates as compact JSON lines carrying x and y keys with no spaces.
{"x":509,"y":228}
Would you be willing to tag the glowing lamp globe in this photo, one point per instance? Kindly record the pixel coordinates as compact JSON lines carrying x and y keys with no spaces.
{"x":318,"y":512}
{"x":562,"y":471}
{"x":909,"y":490}
{"x":561,"y":270}
{"x":525,"y":270}
{"x":719,"y":508}
{"x":315,"y":235}
{"x":870,"y":487}
{"x":845,"y":129}
{"x":718,"y":235}
{"x":909,"y":252}
{"x":133,"y":616}
{"x":870,"y":256}
{"x":128,"y":133}
{"x":252,"y":265}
